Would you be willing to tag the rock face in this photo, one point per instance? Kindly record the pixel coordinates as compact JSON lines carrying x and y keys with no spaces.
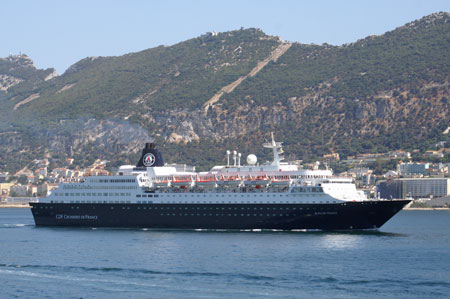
{"x":379,"y":93}
{"x":15,"y":69}
{"x":119,"y":137}
{"x":7,"y":81}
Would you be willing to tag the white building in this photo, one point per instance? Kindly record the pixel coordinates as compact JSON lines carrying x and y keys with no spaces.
{"x":427,"y":187}
{"x":19,"y":190}
{"x":410,"y":168}
{"x":415,"y":187}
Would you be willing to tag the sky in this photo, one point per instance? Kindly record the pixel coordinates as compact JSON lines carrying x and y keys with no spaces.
{"x":60,"y":33}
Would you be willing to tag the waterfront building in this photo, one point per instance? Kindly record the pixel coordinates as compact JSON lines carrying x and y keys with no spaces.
{"x":4,"y":188}
{"x":408,"y":169}
{"x":19,"y":190}
{"x":32,"y":190}
{"x":415,"y":188}
{"x":368,"y":179}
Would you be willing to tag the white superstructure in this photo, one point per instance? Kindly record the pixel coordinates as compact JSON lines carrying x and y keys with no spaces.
{"x":274,"y":182}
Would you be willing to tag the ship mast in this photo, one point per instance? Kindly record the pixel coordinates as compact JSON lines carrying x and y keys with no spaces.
{"x":277,"y":151}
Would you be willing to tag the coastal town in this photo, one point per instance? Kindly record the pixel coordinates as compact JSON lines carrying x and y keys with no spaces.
{"x":23,"y":186}
{"x":398,"y":174}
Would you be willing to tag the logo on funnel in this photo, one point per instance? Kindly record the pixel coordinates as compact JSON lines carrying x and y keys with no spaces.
{"x":149,"y":159}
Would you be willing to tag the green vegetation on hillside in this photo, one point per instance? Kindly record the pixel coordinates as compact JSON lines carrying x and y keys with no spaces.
{"x":380,"y":93}
{"x":181,"y":76}
{"x":404,"y":58}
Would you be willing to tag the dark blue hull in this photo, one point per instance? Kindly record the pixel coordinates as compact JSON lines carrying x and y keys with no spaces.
{"x":344,"y":216}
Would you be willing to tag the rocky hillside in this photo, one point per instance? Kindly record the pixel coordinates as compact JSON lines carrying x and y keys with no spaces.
{"x":20,"y":68}
{"x":227,"y":90}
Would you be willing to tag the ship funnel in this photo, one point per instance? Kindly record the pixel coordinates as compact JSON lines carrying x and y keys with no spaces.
{"x":151,"y":157}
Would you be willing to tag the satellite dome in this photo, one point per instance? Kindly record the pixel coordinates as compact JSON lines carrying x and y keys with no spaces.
{"x":251,"y":159}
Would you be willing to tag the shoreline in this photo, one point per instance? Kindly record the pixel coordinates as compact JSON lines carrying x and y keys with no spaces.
{"x":6,"y":206}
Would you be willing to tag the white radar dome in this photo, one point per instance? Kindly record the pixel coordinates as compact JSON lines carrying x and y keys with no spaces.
{"x":251,"y":159}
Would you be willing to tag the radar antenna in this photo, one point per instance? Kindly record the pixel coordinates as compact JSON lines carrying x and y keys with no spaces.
{"x":277,"y":150}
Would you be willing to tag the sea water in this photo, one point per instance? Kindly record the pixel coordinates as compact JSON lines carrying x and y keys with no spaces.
{"x":409,"y":257}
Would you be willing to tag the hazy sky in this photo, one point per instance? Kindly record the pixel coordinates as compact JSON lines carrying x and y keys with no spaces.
{"x":59,"y":33}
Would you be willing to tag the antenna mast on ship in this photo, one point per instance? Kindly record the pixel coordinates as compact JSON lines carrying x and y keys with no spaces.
{"x":277,"y":150}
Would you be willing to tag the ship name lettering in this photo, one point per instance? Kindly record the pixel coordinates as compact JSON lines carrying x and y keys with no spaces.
{"x":78,"y":217}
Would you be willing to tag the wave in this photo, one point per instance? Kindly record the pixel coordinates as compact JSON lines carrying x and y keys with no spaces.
{"x":14,"y":225}
{"x":371,"y":232}
{"x":137,"y":284}
{"x":136,"y":271}
{"x":265,"y":285}
{"x":53,"y":277}
{"x":378,"y":282}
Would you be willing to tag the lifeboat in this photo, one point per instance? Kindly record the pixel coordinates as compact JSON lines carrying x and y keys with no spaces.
{"x":161,"y":182}
{"x":257,"y":181}
{"x":206,"y":181}
{"x":230,"y":181}
{"x":280,"y":181}
{"x":183,"y":181}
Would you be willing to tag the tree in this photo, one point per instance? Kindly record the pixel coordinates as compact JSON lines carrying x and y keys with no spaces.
{"x":23,"y":180}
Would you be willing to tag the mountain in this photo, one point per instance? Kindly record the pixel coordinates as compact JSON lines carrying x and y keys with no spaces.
{"x":221,"y":90}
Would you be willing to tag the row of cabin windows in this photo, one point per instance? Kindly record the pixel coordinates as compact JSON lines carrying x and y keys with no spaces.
{"x":101,"y":201}
{"x":91,"y":194}
{"x":267,"y":195}
{"x":210,"y":209}
{"x":226,"y":195}
{"x":96,"y":201}
{"x":104,"y":201}
{"x":149,"y":202}
{"x":208,"y":214}
{"x":235,"y":208}
{"x":230,"y":215}
{"x":230,"y":209}
{"x":250,"y":202}
{"x":307,"y":189}
{"x":145,"y":195}
{"x":308,"y":176}
{"x":117,"y":181}
{"x":83,"y":187}
{"x":240,"y":195}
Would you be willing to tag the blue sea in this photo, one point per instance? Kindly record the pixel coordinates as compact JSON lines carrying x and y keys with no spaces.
{"x":409,"y":257}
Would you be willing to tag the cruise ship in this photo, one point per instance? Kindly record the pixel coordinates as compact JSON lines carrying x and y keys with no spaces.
{"x":274,"y":195}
